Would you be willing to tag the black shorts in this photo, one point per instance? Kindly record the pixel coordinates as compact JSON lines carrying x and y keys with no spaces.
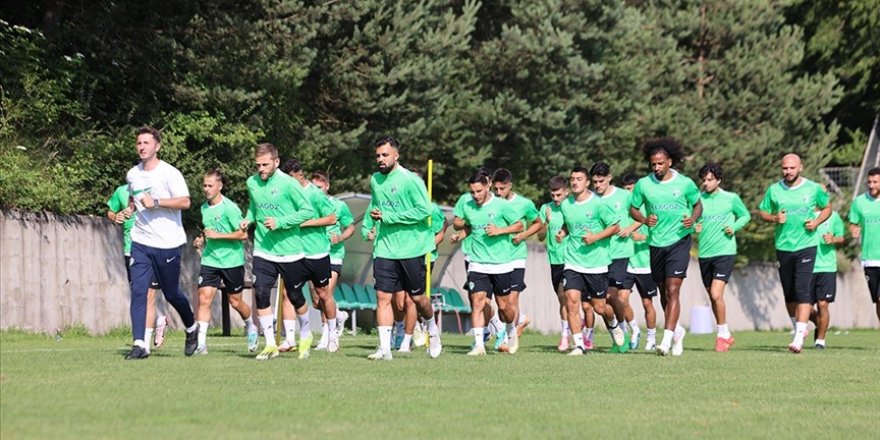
{"x":318,"y":271}
{"x":293,"y":274}
{"x":232,"y":279}
{"x":154,"y":283}
{"x":872,"y":274}
{"x":591,"y":285}
{"x":796,"y":274}
{"x":824,"y":287}
{"x":408,"y":274}
{"x":556,"y":271}
{"x":617,"y":272}
{"x":716,"y":268}
{"x":671,"y":261}
{"x":336,"y":268}
{"x":644,"y":281}
{"x":518,"y":276}
{"x":497,"y":284}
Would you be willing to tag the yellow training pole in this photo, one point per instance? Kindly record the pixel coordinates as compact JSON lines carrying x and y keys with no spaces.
{"x":279,"y":312}
{"x":430,"y":216}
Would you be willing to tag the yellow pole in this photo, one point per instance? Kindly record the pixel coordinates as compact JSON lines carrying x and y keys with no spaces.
{"x":279,"y":309}
{"x":430,"y":216}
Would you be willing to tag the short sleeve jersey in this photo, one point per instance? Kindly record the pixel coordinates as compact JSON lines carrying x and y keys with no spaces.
{"x":865,"y":212}
{"x":160,"y":228}
{"x":800,"y":204}
{"x":670,"y":200}
{"x":224,"y":217}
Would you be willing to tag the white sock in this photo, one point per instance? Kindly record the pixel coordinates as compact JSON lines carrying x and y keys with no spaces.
{"x":634,"y":326}
{"x":652,"y":335}
{"x":250,"y":324}
{"x":496,"y":323}
{"x":290,"y":331}
{"x":267,"y":323}
{"x":407,"y":341}
{"x":140,"y":343}
{"x":612,"y":324}
{"x":331,"y":324}
{"x":723,"y":331}
{"x":478,"y":337}
{"x":566,"y":330}
{"x":433,"y":330}
{"x":325,"y":330}
{"x":194,"y":327}
{"x":305,"y":328}
{"x":385,"y":338}
{"x":588,"y":333}
{"x":511,"y":332}
{"x":667,"y":337}
{"x":203,"y":333}
{"x":521,"y":318}
{"x":820,"y":342}
{"x":578,"y":340}
{"x":148,"y":336}
{"x":800,"y":329}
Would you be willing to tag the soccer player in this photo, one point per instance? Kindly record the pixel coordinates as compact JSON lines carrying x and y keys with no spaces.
{"x":401,"y":208}
{"x":121,"y":213}
{"x":222,"y":258}
{"x":672,"y":204}
{"x":338,"y":233}
{"x":638,"y":273}
{"x":864,"y":216}
{"x":824,"y":285}
{"x":502,"y":185}
{"x":588,"y":223}
{"x":791,"y":204}
{"x":315,"y":242}
{"x":620,"y":249}
{"x":277,"y":206}
{"x":159,"y":193}
{"x":551,"y":217}
{"x":491,"y":220}
{"x":724,"y":214}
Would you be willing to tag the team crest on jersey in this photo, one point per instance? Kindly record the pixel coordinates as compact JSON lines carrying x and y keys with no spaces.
{"x":676,"y":193}
{"x":274,"y":192}
{"x":617,"y":206}
{"x":217,"y":219}
{"x":491,"y":214}
{"x":394,"y":189}
{"x":806,"y":199}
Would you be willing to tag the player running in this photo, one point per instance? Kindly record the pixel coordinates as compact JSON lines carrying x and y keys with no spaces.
{"x":791,"y":204}
{"x":222,"y":259}
{"x":672,"y":204}
{"x":824,"y":285}
{"x":864,"y":216}
{"x":724,"y":214}
{"x":551,"y":217}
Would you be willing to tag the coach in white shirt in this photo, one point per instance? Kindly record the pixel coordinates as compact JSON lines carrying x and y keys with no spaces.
{"x":159,"y":193}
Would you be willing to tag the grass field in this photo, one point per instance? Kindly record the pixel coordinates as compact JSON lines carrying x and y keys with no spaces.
{"x":80,"y":387}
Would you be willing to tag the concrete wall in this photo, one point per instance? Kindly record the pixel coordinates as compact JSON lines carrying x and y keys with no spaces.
{"x":59,"y":271}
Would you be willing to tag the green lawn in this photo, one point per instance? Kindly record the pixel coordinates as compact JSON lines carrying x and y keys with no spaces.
{"x":80,"y":387}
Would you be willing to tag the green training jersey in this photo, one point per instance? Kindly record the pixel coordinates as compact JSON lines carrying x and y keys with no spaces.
{"x":721,"y":209}
{"x":119,"y":201}
{"x":224,"y":217}
{"x":865,"y":212}
{"x":496,"y":211}
{"x":555,"y":251}
{"x":458,"y":211}
{"x":799,"y":203}
{"x":403,"y":199}
{"x":527,"y":211}
{"x":619,"y":199}
{"x":438,"y":221}
{"x":641,"y":258}
{"x":593,"y":216}
{"x":280,"y":197}
{"x":671,"y":201}
{"x":314,"y":239}
{"x":826,"y":254}
{"x":344,"y":219}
